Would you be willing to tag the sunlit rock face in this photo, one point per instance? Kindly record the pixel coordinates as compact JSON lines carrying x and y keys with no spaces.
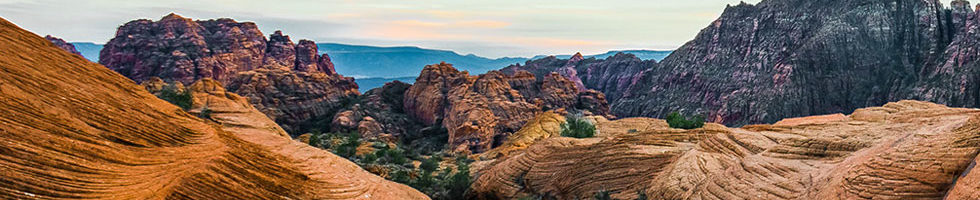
{"x":902,"y":150}
{"x":72,"y":129}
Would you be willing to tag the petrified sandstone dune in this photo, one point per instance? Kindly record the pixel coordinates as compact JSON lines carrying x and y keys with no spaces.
{"x":902,"y":150}
{"x":72,"y":129}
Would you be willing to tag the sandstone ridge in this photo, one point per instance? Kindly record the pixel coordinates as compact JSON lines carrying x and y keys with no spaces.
{"x":902,"y":150}
{"x":73,"y":129}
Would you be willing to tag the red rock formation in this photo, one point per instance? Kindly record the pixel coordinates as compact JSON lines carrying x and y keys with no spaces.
{"x":288,"y":82}
{"x":72,"y":129}
{"x":480,"y":111}
{"x":62,"y":44}
{"x":613,"y":76}
{"x":291,"y":98}
{"x":426,"y":99}
{"x":280,"y":50}
{"x":378,"y":112}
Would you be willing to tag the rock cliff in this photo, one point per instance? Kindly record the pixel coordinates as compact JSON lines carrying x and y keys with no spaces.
{"x":73,"y":129}
{"x":289,"y":82}
{"x":613,"y":76}
{"x":480,"y":111}
{"x":789,"y":58}
{"x":902,"y":150}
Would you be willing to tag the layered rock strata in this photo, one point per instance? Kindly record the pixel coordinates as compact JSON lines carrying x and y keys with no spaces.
{"x":902,"y":150}
{"x":73,"y":129}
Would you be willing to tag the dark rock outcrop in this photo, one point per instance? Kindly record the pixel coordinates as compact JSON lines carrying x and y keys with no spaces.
{"x":377,"y":113}
{"x":292,"y":98}
{"x":288,"y":82}
{"x":952,"y":79}
{"x":480,"y":111}
{"x":788,"y":58}
{"x":62,"y":44}
{"x":613,"y":76}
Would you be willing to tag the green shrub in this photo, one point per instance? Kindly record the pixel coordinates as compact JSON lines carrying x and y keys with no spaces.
{"x":397,"y":156}
{"x":315,"y":138}
{"x":577,"y":127}
{"x":425,"y":181}
{"x":349,"y":147}
{"x":205,"y":113}
{"x":184,"y":100}
{"x":431,"y":164}
{"x":401,"y":176}
{"x":369,"y":159}
{"x":676,"y":120}
{"x":457,"y":184}
{"x":602,"y":195}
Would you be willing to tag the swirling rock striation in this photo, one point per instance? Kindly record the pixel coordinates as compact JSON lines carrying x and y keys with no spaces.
{"x":902,"y":150}
{"x":73,"y":129}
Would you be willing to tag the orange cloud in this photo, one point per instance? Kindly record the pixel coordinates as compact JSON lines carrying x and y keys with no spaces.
{"x":488,"y":24}
{"x":445,"y":14}
{"x":417,"y":23}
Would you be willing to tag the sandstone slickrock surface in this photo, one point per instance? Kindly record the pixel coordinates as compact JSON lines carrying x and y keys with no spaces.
{"x":791,"y":58}
{"x":288,"y":82}
{"x":73,"y":129}
{"x":480,"y":111}
{"x":902,"y":150}
{"x":62,"y":44}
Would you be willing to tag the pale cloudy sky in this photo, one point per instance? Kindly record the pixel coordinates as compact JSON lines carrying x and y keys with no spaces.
{"x":488,"y":28}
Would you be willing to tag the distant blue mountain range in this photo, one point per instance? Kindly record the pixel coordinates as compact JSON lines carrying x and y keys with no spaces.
{"x":365,"y":84}
{"x":89,"y":50}
{"x":370,"y":61}
{"x":642,"y":54}
{"x":373,"y":66}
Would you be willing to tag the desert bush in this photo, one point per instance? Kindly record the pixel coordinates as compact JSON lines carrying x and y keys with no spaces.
{"x":348,"y":148}
{"x":184,"y":100}
{"x":458,"y":184}
{"x":205,"y":113}
{"x":577,"y":127}
{"x":676,"y":120}
{"x":602,"y":195}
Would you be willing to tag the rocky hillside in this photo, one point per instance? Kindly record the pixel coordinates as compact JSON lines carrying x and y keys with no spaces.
{"x":903,"y":150}
{"x":73,"y":129}
{"x":480,"y":111}
{"x":788,"y":58}
{"x":291,"y":83}
{"x":62,"y":44}
{"x":613,"y":76}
